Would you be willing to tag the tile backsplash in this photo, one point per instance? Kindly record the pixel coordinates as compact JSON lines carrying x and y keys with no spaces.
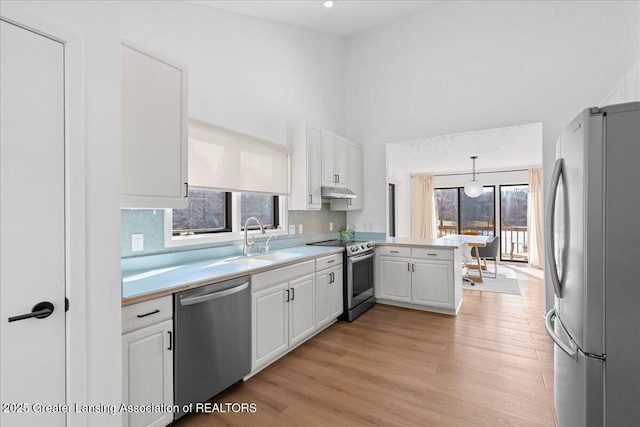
{"x":150,"y":223}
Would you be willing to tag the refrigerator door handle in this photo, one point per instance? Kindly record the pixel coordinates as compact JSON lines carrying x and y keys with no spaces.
{"x":550,"y":243}
{"x":567,"y":348}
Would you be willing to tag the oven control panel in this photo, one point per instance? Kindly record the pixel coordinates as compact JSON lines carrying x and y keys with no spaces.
{"x":359,"y":248}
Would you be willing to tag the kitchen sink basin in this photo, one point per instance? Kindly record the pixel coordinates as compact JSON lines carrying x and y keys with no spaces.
{"x":276,"y":256}
{"x":249,"y":261}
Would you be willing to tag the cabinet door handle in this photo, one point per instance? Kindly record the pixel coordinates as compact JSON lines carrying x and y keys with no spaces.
{"x":287,"y":291}
{"x":338,"y":177}
{"x":350,"y":202}
{"x":395,"y":252}
{"x":310,"y":198}
{"x":330,"y":261}
{"x":170,"y":340}
{"x":186,"y":189}
{"x":148,"y":314}
{"x":408,"y":266}
{"x":413,"y":268}
{"x":432,"y":254}
{"x":332,"y":277}
{"x":293,"y":294}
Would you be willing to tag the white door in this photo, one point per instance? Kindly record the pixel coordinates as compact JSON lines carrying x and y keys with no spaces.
{"x":313,"y":159}
{"x":328,"y":155}
{"x":323,"y":296}
{"x":32,"y":223}
{"x":396,"y":278}
{"x":147,"y":370}
{"x":302,"y":308}
{"x":270,"y":324}
{"x":337,"y":293}
{"x":433,"y":283}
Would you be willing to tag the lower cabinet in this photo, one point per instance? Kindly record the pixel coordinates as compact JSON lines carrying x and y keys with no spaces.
{"x":283,"y":306}
{"x":395,"y":281}
{"x":329,"y":295}
{"x":147,"y":361}
{"x":432,"y":283}
{"x":419,"y":277}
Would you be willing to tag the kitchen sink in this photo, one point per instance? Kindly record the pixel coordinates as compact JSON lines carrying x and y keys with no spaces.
{"x":276,"y":256}
{"x":249,"y":261}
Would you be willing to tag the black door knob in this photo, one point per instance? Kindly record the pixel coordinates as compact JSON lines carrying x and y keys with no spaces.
{"x":39,"y":311}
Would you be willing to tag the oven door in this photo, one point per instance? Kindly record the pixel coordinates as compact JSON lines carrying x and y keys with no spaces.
{"x":359,"y":279}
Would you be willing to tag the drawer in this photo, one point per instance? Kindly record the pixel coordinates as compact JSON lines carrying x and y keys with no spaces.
{"x":328,"y":261}
{"x":394,"y":251}
{"x":146,"y":313}
{"x":428,"y":253}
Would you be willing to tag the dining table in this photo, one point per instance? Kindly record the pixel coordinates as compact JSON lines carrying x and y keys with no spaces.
{"x":475,"y":242}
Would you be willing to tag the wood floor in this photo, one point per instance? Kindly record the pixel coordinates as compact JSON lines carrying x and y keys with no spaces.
{"x":492,"y":365}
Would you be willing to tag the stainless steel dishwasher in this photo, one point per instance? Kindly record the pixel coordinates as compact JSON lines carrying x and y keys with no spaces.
{"x":212,"y":326}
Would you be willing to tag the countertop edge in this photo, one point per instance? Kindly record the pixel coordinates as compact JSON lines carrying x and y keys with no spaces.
{"x":418,"y":244}
{"x":256,"y":270}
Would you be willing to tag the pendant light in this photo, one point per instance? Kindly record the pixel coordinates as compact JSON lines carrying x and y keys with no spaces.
{"x":473,"y":188}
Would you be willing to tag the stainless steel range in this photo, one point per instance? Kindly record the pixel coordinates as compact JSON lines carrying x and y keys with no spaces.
{"x":358,"y":276}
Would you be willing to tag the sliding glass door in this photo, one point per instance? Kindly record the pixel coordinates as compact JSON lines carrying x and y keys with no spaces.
{"x":459,"y":214}
{"x":514,"y":238}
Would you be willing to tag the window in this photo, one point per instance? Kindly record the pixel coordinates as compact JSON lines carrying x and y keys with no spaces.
{"x":219,"y":216}
{"x":262,"y":206}
{"x":209,"y":211}
{"x":514,"y":238}
{"x":459,"y":214}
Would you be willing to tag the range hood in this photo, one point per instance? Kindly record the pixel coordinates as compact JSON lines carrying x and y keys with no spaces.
{"x":337,"y":193}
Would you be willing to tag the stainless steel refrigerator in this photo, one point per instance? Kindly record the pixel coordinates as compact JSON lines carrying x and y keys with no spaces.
{"x":593,"y":254}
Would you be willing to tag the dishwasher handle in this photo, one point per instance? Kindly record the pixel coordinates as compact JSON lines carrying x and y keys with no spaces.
{"x":214,"y":295}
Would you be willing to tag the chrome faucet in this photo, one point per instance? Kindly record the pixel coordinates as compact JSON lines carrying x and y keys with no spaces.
{"x":249,"y":244}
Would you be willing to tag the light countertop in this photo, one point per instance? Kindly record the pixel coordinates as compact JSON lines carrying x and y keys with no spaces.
{"x":442,"y":242}
{"x":144,"y":284}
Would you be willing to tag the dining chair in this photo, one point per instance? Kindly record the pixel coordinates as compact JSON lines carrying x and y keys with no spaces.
{"x":490,"y":252}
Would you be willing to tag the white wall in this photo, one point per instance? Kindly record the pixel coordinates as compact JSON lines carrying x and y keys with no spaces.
{"x":99,"y":24}
{"x":462,"y":66}
{"x":245,"y":74}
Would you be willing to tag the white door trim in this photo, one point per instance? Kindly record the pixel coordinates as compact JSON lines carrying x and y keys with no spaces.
{"x":75,"y":203}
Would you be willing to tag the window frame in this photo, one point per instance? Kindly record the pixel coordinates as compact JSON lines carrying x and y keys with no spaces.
{"x":502,"y":249}
{"x":228,"y":201}
{"x":460,"y":190}
{"x":235,"y":235}
{"x":276,"y":214}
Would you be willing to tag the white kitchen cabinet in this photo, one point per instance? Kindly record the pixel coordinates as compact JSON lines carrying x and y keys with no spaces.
{"x":329,"y":295}
{"x":147,"y":361}
{"x":395,"y":274}
{"x":432,"y":283}
{"x":420,"y":277}
{"x":336,"y":291}
{"x":283,"y":311}
{"x":334,"y":157}
{"x":305,"y":168}
{"x":355,"y":168}
{"x":154,"y":129}
{"x":302,"y":319}
{"x":271,"y":323}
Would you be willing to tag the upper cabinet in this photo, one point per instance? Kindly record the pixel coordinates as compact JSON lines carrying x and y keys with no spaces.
{"x":305,"y":168}
{"x":323,"y":159}
{"x":334,"y":160}
{"x":154,"y":129}
{"x":354,"y":162}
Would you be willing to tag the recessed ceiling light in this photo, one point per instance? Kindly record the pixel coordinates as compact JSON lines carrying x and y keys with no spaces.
{"x":328,"y":4}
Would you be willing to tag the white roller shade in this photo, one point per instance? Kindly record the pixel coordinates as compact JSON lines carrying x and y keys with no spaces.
{"x":228,"y":160}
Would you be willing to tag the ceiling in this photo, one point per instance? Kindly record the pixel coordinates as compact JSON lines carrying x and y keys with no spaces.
{"x":513,"y":147}
{"x":345,"y":18}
